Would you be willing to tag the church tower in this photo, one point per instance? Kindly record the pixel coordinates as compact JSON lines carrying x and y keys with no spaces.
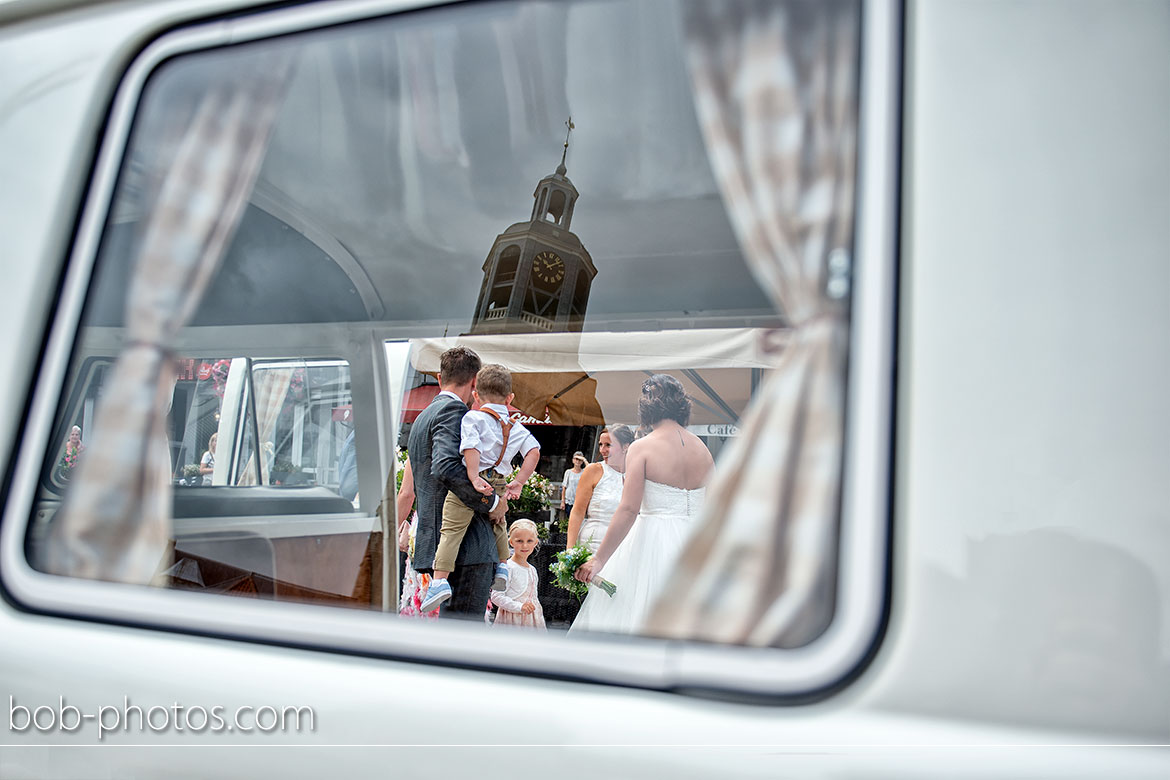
{"x":538,"y":273}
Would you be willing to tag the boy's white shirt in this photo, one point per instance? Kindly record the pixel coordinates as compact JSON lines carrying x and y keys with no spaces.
{"x":495,"y":499}
{"x":480,"y":431}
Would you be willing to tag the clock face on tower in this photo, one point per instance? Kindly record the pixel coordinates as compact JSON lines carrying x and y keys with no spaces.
{"x":548,"y":269}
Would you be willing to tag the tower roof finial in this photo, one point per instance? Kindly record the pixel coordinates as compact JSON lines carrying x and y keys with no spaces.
{"x":561,"y":169}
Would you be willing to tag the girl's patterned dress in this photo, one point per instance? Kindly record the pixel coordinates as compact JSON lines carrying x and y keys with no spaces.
{"x":522,"y":581}
{"x":414,"y":585}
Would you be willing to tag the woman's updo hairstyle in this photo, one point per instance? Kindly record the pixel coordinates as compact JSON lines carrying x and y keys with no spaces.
{"x":622,"y":434}
{"x":663,"y":398}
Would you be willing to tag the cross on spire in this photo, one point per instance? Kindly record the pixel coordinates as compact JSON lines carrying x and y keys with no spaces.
{"x":561,"y":169}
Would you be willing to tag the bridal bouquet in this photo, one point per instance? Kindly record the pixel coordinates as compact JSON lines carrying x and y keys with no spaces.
{"x":566,"y":565}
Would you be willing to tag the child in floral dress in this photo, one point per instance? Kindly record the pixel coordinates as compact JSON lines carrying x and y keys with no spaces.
{"x":414,"y":585}
{"x":517,"y":602}
{"x":73,"y":450}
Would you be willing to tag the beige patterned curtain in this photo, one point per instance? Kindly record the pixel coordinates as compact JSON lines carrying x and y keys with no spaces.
{"x":116,"y":519}
{"x":271,"y":388}
{"x":776,"y":95}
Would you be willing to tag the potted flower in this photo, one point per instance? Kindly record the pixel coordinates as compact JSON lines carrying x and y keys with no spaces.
{"x":534,"y":502}
{"x":403,"y":458}
{"x":285,"y":472}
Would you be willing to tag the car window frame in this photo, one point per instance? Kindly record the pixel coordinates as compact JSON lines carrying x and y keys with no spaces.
{"x":809,"y":672}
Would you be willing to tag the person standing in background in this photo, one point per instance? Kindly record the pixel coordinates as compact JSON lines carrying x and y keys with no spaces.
{"x":347,"y":468}
{"x":569,"y":483}
{"x":72,"y":454}
{"x":207,"y":462}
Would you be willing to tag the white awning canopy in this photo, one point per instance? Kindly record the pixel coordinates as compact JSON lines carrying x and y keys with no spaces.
{"x":595,"y":378}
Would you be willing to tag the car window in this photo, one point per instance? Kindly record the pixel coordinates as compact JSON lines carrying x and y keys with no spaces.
{"x":642,"y":213}
{"x":300,"y":410}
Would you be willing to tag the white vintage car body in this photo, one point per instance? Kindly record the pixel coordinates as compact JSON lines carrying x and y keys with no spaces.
{"x":1025,"y":625}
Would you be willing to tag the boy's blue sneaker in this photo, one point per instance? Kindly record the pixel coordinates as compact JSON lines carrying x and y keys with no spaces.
{"x":438,"y":592}
{"x":501,"y":580}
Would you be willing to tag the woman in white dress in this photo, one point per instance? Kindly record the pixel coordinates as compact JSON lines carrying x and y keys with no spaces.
{"x":600,"y":489}
{"x":666,"y":477}
{"x":569,"y":483}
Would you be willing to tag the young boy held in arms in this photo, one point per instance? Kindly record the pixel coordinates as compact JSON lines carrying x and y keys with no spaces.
{"x":489,"y":441}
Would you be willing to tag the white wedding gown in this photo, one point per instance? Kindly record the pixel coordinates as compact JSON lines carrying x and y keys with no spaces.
{"x":643,"y":562}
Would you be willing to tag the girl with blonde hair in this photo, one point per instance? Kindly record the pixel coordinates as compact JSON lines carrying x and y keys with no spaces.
{"x":517,"y":602}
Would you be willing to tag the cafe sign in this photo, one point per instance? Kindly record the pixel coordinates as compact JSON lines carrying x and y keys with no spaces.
{"x":723,"y":431}
{"x":518,"y":416}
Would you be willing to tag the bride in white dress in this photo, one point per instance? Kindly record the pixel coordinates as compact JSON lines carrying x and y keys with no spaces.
{"x":666,"y":477}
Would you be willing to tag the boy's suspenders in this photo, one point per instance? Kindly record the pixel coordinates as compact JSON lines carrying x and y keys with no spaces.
{"x":506,"y":426}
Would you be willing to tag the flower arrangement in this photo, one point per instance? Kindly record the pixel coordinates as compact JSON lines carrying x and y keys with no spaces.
{"x":566,"y":565}
{"x":535,"y":495}
{"x":285,"y":466}
{"x":219,"y":375}
{"x":191,"y":475}
{"x":402,"y":457}
{"x":296,"y":387}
